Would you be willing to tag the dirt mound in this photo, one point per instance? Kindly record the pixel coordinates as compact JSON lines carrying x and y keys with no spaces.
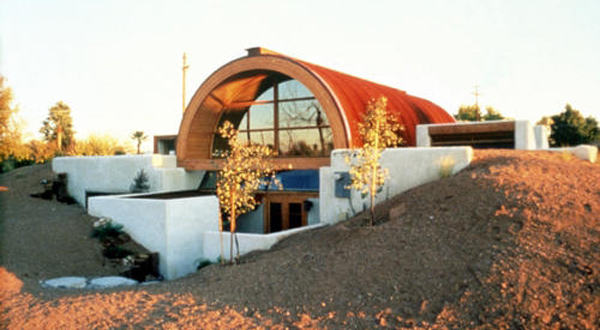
{"x":510,"y":242}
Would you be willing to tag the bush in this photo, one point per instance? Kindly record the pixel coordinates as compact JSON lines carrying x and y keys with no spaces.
{"x":106,"y":231}
{"x":116,"y":252}
{"x":140,"y":183}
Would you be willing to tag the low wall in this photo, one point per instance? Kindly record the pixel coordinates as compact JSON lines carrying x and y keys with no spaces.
{"x":115,"y":174}
{"x":408,"y":168}
{"x":585,"y":152}
{"x":172,"y":227}
{"x":248,"y":242}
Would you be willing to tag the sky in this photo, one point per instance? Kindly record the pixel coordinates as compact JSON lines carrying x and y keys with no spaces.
{"x":117,"y":63}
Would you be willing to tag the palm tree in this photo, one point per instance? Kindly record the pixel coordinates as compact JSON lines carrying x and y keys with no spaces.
{"x":139,"y":136}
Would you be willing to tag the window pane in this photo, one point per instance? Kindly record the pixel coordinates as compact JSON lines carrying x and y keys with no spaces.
{"x":293,"y":89}
{"x":261,"y":116}
{"x":266,"y":138}
{"x":312,"y":142}
{"x":266,"y":95}
{"x":276,"y":217}
{"x":234,"y":116}
{"x":301,"y":114}
{"x":295,"y":210}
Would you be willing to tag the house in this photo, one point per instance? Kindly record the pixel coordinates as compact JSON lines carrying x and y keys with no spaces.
{"x":306,"y":112}
{"x":302,"y":110}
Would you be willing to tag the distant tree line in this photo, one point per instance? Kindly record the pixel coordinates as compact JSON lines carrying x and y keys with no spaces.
{"x":58,"y":136}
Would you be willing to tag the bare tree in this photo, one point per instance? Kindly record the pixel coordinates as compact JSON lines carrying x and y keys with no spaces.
{"x":378,"y":131}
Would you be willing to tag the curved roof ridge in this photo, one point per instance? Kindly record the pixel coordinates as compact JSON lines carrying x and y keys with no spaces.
{"x":353,"y":93}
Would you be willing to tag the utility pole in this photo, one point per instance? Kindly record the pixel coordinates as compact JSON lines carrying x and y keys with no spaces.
{"x":476,"y":93}
{"x":185,"y":67}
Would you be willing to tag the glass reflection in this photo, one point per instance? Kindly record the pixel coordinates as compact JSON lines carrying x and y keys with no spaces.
{"x":293,"y":89}
{"x":302,"y":129}
{"x":301,"y":114}
{"x":313,"y":142}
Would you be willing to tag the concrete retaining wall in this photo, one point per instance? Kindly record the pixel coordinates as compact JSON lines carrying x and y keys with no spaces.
{"x":115,"y":174}
{"x":248,"y":242}
{"x":174,"y":227}
{"x":408,"y":168}
{"x":585,"y":152}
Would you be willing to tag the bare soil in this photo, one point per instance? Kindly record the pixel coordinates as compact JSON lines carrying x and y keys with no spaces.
{"x":512,"y":241}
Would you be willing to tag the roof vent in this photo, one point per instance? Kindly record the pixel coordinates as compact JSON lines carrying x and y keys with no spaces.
{"x":257,"y":51}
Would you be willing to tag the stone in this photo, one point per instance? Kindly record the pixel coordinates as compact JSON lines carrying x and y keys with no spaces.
{"x":111,"y":281}
{"x":69,"y":282}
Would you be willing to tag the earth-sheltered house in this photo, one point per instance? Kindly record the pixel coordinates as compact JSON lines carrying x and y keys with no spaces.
{"x":306,"y":112}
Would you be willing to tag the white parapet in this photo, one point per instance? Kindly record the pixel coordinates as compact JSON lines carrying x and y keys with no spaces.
{"x":524,"y":136}
{"x":408,"y":168}
{"x":541,"y":136}
{"x":115,"y":174}
{"x":172,"y":227}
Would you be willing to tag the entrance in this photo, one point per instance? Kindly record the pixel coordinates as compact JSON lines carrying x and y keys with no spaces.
{"x":286,"y":210}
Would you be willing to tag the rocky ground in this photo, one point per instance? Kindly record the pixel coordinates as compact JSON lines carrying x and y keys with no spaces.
{"x":513,"y":241}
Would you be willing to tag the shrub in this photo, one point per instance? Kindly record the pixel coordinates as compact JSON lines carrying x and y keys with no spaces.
{"x":140,"y":183}
{"x":109,"y":230}
{"x":116,"y":252}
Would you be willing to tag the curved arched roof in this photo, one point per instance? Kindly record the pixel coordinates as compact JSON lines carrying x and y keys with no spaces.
{"x":343,"y":97}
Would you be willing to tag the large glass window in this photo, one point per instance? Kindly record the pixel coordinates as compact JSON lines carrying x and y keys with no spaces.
{"x":285,"y":116}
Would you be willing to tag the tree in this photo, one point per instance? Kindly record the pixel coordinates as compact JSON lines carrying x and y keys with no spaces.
{"x":378,"y":130}
{"x":570,"y":128}
{"x":13,"y":152}
{"x":468,"y":113}
{"x":58,"y":126}
{"x":492,"y":114}
{"x":244,"y":169}
{"x":6,"y":108}
{"x":473,"y":113}
{"x":139,"y":137}
{"x":100,"y":145}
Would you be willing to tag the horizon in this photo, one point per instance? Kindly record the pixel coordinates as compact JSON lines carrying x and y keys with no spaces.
{"x":123,"y":60}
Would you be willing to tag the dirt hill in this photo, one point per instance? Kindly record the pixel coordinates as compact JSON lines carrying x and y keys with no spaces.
{"x":510,"y":242}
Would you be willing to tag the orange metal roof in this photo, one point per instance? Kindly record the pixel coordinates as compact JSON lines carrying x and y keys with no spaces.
{"x":343,"y":97}
{"x":354,"y":93}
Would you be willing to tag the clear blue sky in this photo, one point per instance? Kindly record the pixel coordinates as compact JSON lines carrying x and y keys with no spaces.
{"x":118,"y":63}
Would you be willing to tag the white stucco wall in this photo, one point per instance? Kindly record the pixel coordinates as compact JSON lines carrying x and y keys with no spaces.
{"x":248,"y":242}
{"x":408,"y":168}
{"x":173,"y":228}
{"x":541,"y":136}
{"x":115,"y":174}
{"x":524,"y":136}
{"x":252,"y":222}
{"x":584,"y":152}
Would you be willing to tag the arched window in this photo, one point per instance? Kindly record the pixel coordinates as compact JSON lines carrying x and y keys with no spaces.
{"x":285,"y":116}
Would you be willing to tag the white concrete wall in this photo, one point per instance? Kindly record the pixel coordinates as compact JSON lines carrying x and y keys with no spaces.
{"x":312,"y":218}
{"x":248,"y":242}
{"x":174,"y":228}
{"x":524,"y":136}
{"x":115,"y":174}
{"x":585,"y":152}
{"x":541,"y":137}
{"x":252,"y":222}
{"x":408,"y":168}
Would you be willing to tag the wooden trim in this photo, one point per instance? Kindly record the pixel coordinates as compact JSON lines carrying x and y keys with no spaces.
{"x":200,"y":119}
{"x":503,"y":126}
{"x":285,"y":198}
